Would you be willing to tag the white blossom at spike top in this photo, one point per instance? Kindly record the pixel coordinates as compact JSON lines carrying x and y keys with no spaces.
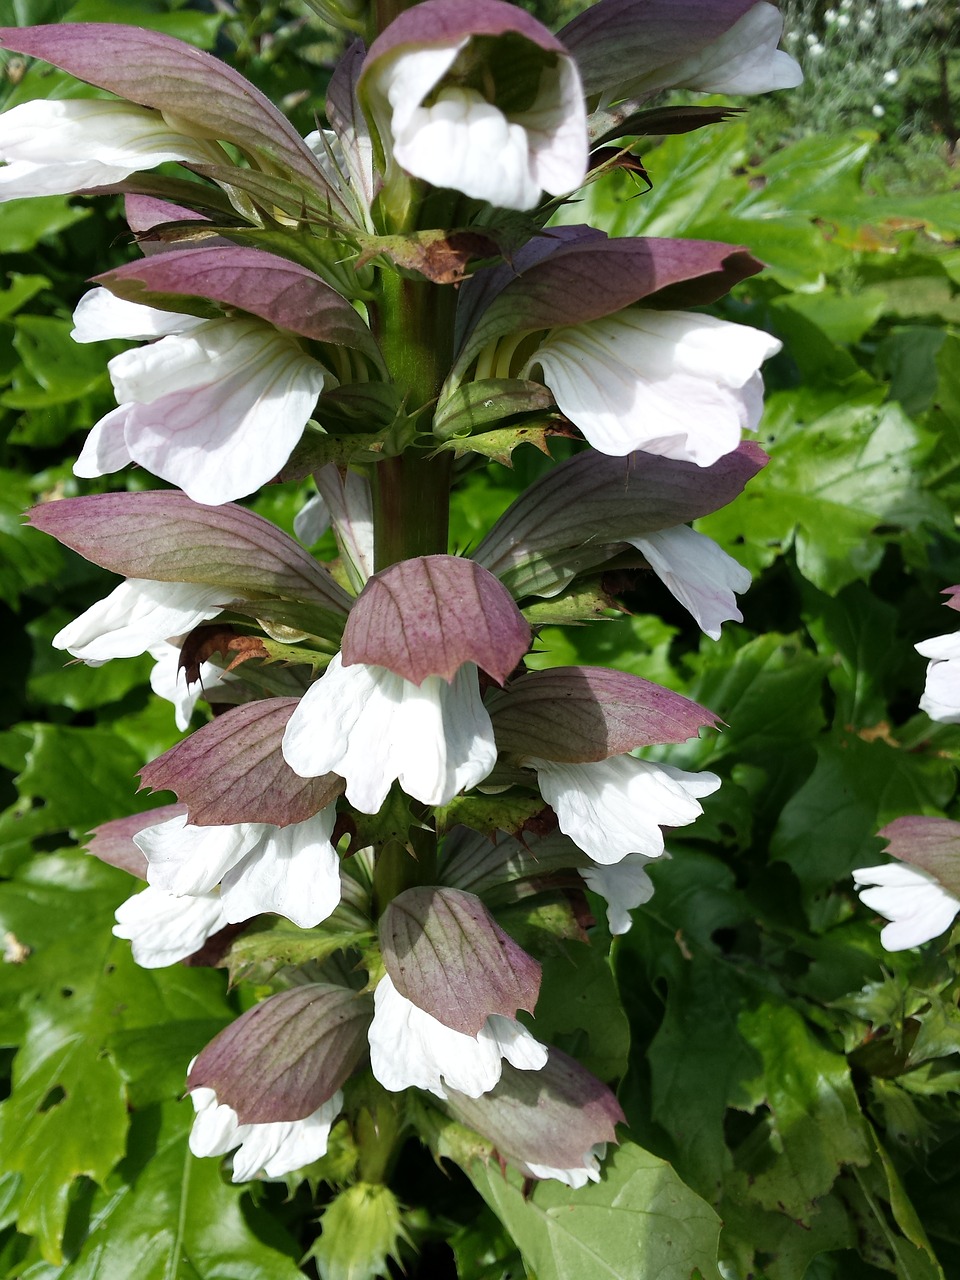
{"x":479,"y":98}
{"x":411,"y":1048}
{"x":402,"y":700}
{"x":61,"y":146}
{"x":214,"y":407}
{"x":673,"y":383}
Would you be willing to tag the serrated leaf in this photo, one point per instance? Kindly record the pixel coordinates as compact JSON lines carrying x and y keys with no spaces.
{"x":175,"y":1216}
{"x":499,"y":445}
{"x":257,"y":955}
{"x":813,"y":1125}
{"x":580,"y":1010}
{"x":638,"y":1223}
{"x":488,"y":814}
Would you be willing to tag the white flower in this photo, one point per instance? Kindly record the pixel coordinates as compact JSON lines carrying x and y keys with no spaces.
{"x":625,"y":885}
{"x":467,"y":142}
{"x":164,"y":928}
{"x":54,"y":147}
{"x":372,"y":726}
{"x":673,"y":383}
{"x":918,"y":906}
{"x":276,"y":1148}
{"x":312,"y":520}
{"x":168,"y":680}
{"x":745,"y":59}
{"x":878,"y":111}
{"x":892,"y":76}
{"x":816,"y":49}
{"x":292,"y":870}
{"x":577,"y":1177}
{"x":411,"y":1048}
{"x":611,"y":808}
{"x":941,"y":694}
{"x":698,"y":573}
{"x":138,"y":615}
{"x":214,"y":408}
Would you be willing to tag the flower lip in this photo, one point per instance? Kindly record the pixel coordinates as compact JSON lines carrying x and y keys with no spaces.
{"x":498,"y":125}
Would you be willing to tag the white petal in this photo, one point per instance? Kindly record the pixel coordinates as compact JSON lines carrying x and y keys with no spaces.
{"x":463,"y":142}
{"x":408,"y":78}
{"x":916,"y":903}
{"x":744,"y":60}
{"x":168,"y":680}
{"x":625,"y":885}
{"x":673,"y":383}
{"x":614,"y":807}
{"x":940,"y":648}
{"x":164,"y":929}
{"x":186,"y":859}
{"x":100,"y":314}
{"x":409,"y":1048}
{"x":105,"y":448}
{"x":578,"y":1177}
{"x":285,"y":1145}
{"x":293,"y":871}
{"x":57,"y":146}
{"x":698,"y":573}
{"x":215,"y":1126}
{"x":312,"y":520}
{"x":217,"y":411}
{"x":372,"y":727}
{"x":137,"y":615}
{"x":350,"y":503}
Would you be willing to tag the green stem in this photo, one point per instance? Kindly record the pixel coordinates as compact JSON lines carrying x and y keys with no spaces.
{"x":411,"y":493}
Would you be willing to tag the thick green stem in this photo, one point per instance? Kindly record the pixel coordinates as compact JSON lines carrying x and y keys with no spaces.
{"x":414,"y":325}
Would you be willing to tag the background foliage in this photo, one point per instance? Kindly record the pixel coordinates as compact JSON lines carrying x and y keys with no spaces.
{"x":791,"y":1088}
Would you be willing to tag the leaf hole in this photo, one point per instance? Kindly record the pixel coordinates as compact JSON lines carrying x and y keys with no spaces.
{"x":66,"y":992}
{"x":53,"y":1098}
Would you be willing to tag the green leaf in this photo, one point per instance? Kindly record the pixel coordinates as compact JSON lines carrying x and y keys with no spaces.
{"x":829,"y":826}
{"x":19,"y":292}
{"x":839,"y":472}
{"x":638,"y":1223}
{"x":61,"y":370}
{"x":24,"y":223}
{"x":498,"y":445}
{"x":361,"y":1230}
{"x":172,"y":1217}
{"x":488,"y":814}
{"x":27,"y":558}
{"x":854,"y":631}
{"x":58,"y":680}
{"x":579,"y":1010}
{"x":812,"y":1125}
{"x":944,"y":420}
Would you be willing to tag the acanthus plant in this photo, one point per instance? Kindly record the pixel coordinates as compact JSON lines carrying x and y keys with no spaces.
{"x":378,"y":306}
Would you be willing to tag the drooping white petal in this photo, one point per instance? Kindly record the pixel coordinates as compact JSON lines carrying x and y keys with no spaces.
{"x":916,"y":904}
{"x":941,"y":693}
{"x":105,"y":448}
{"x":100,"y":314}
{"x":274,"y":1149}
{"x":56,"y":146}
{"x":138,"y":615}
{"x":577,"y":1177}
{"x":698,"y":573}
{"x":294,"y":871}
{"x":163,"y":928}
{"x":614,"y":807}
{"x":349,"y":500}
{"x":462,"y":140}
{"x":184,"y":859}
{"x":745,"y":59}
{"x":673,"y":383}
{"x":168,"y":680}
{"x":372,"y":727}
{"x":410,"y":1048}
{"x":216,"y":411}
{"x":312,"y":520}
{"x":624,"y":884}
